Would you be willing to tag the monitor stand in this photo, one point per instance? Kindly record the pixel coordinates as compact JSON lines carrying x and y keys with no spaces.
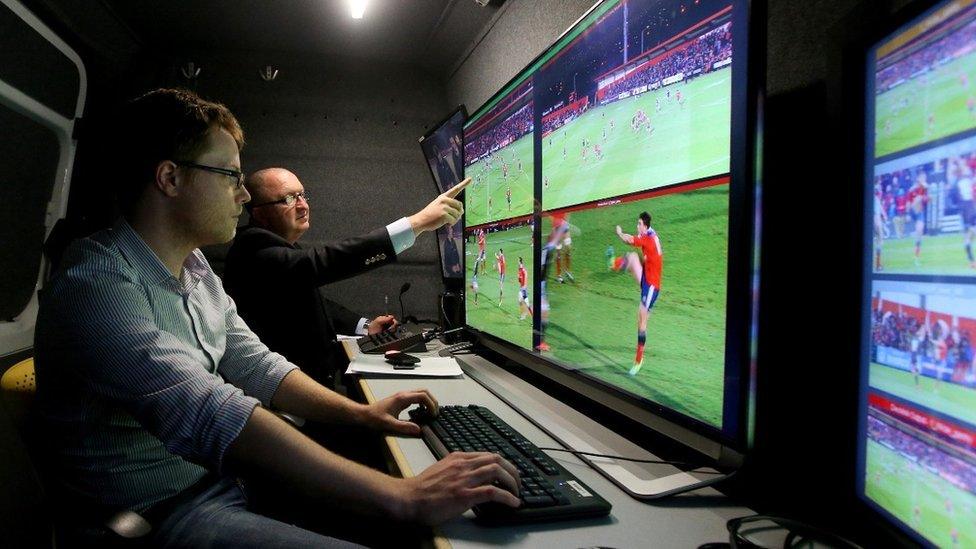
{"x":674,"y":483}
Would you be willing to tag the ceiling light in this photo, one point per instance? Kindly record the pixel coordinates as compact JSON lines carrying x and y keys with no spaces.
{"x":358,"y":8}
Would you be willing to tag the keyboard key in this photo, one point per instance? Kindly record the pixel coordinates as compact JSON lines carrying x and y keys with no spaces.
{"x":538,"y":501}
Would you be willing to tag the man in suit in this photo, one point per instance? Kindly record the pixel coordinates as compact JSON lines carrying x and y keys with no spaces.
{"x":276,"y":282}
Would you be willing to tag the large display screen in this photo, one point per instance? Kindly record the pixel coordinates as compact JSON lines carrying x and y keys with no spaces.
{"x":499,"y":159}
{"x":499,"y":274}
{"x":614,"y":151}
{"x":665,"y":279}
{"x":617,"y":122}
{"x":917,"y":444}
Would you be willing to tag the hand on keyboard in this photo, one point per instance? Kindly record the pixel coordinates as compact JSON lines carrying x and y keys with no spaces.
{"x":383,"y":415}
{"x":548,"y":491}
{"x":458,"y":482}
{"x":383,"y":323}
{"x":398,"y":339}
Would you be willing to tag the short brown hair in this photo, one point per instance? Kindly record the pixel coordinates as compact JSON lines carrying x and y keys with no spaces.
{"x":164,"y":124}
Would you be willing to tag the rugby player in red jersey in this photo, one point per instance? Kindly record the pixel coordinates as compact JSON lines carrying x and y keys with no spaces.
{"x":523,"y":296}
{"x":647,"y":273}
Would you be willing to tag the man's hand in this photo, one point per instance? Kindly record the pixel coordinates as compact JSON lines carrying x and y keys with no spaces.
{"x":381,"y":323}
{"x":456,"y":483}
{"x":382,"y":415}
{"x":620,"y":232}
{"x":443,"y":210}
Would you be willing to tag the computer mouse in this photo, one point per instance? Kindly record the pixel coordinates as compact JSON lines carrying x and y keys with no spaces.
{"x":399,"y":358}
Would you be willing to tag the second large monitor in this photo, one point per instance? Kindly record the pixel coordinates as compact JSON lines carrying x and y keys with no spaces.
{"x":916,"y":463}
{"x":610,"y":224}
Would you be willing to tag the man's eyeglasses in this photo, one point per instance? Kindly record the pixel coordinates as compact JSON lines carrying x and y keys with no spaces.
{"x":236,"y":175}
{"x":289,"y":200}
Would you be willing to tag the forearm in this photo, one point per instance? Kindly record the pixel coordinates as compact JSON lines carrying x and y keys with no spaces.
{"x":268,"y":446}
{"x":301,"y":395}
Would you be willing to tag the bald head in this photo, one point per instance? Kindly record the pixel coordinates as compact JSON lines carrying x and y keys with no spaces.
{"x":263,"y":184}
{"x":267,"y":188}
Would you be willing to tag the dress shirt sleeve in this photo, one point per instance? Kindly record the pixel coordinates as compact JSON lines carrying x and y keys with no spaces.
{"x":100,"y":330}
{"x":363,"y":327}
{"x":248,"y":363}
{"x":401,"y":234}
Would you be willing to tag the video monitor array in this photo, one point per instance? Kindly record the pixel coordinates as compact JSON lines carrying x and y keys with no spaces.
{"x":606,"y":166}
{"x":917,"y":446}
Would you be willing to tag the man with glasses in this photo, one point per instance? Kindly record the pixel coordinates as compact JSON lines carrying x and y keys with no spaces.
{"x":153,"y":392}
{"x":276,"y":282}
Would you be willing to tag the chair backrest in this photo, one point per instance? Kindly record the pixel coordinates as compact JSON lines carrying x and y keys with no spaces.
{"x":24,"y":514}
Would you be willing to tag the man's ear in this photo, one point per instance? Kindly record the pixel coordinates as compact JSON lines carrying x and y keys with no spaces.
{"x":166,"y":180}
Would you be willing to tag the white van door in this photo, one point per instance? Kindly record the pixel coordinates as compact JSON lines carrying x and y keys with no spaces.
{"x":42,"y":95}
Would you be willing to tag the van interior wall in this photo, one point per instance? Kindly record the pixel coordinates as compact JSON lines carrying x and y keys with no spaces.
{"x":347,"y":127}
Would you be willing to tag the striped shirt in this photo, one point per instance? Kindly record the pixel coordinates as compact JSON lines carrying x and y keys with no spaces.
{"x":143,"y":379}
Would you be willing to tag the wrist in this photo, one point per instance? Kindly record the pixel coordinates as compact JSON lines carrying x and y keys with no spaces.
{"x":359,"y":414}
{"x":399,"y":501}
{"x":416,"y":224}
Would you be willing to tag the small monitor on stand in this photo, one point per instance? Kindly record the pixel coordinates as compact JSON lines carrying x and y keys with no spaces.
{"x":443,"y":149}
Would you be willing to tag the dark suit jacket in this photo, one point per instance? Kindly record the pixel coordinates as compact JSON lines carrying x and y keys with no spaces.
{"x":276,"y":286}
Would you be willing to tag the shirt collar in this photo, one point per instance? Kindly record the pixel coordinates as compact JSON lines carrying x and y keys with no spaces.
{"x":148,"y":264}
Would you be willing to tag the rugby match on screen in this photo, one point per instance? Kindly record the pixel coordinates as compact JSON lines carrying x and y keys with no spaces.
{"x":499,"y":160}
{"x":924,"y":91}
{"x":498,"y":280}
{"x":613,"y":124}
{"x":634,"y":294}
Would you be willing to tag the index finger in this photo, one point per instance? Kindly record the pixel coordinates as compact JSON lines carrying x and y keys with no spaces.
{"x":455,"y":190}
{"x":419,"y":396}
{"x":430,"y":402}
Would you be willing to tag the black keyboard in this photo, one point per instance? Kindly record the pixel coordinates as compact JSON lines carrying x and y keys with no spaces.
{"x":401,"y":339}
{"x":549,"y":491}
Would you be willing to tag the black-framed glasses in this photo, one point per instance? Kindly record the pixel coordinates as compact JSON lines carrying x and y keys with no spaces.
{"x":236,"y":175}
{"x":797,"y":533}
{"x":289,"y":200}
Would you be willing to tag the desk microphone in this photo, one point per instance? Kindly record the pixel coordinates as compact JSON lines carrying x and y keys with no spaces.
{"x":403,"y":290}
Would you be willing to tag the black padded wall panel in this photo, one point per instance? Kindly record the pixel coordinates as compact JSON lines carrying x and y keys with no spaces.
{"x":521,"y":32}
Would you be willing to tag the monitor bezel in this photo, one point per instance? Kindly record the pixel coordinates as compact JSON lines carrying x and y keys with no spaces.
{"x":450,"y":282}
{"x":726,"y":445}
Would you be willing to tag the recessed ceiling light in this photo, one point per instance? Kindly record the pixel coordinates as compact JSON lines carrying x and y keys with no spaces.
{"x":358,"y":8}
